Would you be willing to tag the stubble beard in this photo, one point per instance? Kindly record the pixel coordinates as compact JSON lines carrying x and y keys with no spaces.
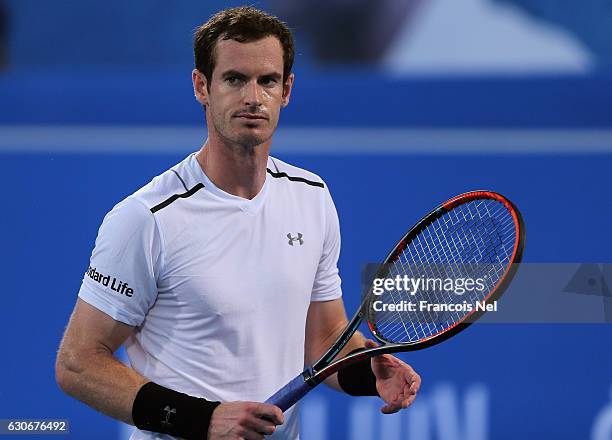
{"x":245,"y":144}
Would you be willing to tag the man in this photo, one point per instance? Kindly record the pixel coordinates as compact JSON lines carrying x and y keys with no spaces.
{"x":220,"y":275}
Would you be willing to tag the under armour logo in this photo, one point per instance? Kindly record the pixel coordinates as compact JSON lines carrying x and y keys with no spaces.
{"x":169,"y":411}
{"x":298,"y":238}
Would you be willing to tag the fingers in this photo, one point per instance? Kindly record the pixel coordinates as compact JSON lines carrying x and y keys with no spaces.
{"x":412,"y":378}
{"x":260,"y":426}
{"x":389,"y":409}
{"x":399,"y":401}
{"x":265,"y":418}
{"x":394,"y":404}
{"x":398,"y":404}
{"x":393,"y":408}
{"x":411,"y":387}
{"x":244,"y":420}
{"x":270,"y":412}
{"x":415,"y":382}
{"x":399,"y":386}
{"x":395,"y":376}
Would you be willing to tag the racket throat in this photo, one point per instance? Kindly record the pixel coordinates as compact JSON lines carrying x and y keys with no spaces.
{"x":310,"y":378}
{"x":342,"y":340}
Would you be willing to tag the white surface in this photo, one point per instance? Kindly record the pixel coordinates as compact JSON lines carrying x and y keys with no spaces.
{"x":480,"y":36}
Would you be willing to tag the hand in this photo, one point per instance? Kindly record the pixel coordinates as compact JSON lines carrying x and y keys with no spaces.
{"x":244,"y":420}
{"x":396,"y":381}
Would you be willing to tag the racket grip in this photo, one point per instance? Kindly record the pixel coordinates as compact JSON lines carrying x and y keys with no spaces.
{"x":288,"y":395}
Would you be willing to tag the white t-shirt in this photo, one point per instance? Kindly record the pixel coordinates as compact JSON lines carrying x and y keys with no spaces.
{"x":217,"y":286}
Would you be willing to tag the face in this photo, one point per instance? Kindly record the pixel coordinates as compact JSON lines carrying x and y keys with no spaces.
{"x":246,"y":91}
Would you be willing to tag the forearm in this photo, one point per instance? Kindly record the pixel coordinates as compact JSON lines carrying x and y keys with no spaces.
{"x":325,"y":323}
{"x":100,"y":381}
{"x":356,"y":341}
{"x":107,"y":385}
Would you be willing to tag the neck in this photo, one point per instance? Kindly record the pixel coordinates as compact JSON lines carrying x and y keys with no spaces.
{"x":234,"y":169}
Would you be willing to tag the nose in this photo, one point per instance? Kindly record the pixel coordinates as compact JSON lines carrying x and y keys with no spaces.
{"x":252,"y":94}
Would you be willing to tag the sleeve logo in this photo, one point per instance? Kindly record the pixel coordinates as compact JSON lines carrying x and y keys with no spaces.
{"x":115,"y":285}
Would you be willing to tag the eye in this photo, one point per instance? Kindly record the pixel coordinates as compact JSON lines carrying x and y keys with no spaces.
{"x":268,"y":81}
{"x":232,"y":80}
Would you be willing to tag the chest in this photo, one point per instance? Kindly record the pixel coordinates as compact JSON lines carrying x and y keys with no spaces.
{"x":229,"y":262}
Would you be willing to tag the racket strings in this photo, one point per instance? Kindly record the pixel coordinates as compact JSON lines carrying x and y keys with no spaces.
{"x":457,"y":226}
{"x":474,"y":240}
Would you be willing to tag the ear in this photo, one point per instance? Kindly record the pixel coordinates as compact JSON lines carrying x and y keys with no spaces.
{"x":199,"y":86}
{"x":287,"y":87}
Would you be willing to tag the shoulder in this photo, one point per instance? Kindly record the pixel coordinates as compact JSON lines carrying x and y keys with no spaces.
{"x":127,"y":220}
{"x":165,"y":188}
{"x":288,"y":173}
{"x":139,"y":207}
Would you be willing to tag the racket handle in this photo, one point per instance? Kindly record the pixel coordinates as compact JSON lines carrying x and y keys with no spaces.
{"x":288,"y":395}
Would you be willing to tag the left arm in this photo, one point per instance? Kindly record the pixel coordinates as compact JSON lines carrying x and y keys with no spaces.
{"x":324,"y":323}
{"x":396,"y":382}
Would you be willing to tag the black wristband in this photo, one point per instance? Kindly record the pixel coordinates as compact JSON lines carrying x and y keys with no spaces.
{"x":166,"y":411}
{"x":358,"y":379}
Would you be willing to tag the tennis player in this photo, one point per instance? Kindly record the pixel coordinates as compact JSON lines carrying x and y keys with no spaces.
{"x":220,"y":275}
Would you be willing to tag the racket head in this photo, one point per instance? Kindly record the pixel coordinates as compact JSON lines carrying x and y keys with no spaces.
{"x":479,"y":230}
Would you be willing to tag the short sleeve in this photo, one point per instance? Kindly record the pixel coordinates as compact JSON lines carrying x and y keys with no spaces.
{"x":326,"y":286}
{"x":121,"y":277}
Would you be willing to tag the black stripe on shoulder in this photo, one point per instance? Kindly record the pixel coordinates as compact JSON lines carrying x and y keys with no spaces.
{"x":175,"y":197}
{"x":181,"y":179}
{"x":295,"y":179}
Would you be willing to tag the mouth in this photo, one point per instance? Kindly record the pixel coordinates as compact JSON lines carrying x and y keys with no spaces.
{"x":251,"y":116}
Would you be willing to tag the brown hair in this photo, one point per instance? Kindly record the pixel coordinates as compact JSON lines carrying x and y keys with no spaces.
{"x":243,"y":24}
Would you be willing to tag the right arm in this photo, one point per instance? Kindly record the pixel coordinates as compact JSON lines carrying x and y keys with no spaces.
{"x":86,"y":368}
{"x":128,"y":247}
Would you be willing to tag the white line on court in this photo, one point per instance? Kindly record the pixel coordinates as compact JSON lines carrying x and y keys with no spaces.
{"x":307,"y":140}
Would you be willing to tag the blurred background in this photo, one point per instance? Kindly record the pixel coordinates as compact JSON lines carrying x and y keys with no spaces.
{"x":398,"y":105}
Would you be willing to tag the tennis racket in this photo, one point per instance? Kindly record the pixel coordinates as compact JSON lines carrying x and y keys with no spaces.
{"x":479,"y":234}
